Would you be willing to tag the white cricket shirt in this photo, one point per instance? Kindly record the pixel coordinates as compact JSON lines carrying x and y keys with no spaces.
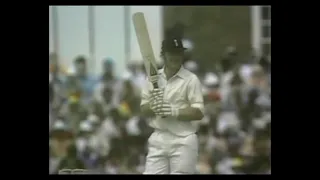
{"x":182,"y":90}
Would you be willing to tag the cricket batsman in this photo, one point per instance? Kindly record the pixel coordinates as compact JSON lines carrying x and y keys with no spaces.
{"x":177,"y":104}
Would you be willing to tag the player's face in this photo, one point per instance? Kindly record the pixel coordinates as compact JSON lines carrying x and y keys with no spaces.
{"x":173,"y":59}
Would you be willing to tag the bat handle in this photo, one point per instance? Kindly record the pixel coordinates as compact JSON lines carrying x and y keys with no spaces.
{"x":155,"y":85}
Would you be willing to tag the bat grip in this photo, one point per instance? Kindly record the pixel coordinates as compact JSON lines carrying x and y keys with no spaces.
{"x":155,"y":85}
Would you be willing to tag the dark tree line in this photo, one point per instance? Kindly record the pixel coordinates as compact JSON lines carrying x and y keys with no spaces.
{"x":212,"y":29}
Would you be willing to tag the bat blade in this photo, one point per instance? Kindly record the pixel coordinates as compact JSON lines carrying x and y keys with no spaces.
{"x":145,"y":45}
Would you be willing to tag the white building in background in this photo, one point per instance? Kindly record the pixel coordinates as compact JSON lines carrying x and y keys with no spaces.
{"x":110,"y":33}
{"x":71,"y":36}
{"x":261,"y":28}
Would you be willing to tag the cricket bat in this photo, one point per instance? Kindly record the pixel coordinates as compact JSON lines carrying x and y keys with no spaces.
{"x":146,"y":50}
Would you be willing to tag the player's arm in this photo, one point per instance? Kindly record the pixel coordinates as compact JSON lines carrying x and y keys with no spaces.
{"x":196,"y":109}
{"x":190,"y":114}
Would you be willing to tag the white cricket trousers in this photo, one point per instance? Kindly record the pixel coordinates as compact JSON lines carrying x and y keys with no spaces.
{"x":171,"y":154}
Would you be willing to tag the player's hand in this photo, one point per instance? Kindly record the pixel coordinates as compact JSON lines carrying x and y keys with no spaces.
{"x":156,"y":93}
{"x":154,"y":79}
{"x":165,"y":109}
{"x":156,"y":98}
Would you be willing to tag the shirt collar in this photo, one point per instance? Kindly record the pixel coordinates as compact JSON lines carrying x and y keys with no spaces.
{"x":180,"y":73}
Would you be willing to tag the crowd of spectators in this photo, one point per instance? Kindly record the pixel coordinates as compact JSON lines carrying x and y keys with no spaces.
{"x":95,"y":124}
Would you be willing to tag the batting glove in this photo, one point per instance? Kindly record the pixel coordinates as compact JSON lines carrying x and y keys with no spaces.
{"x":156,"y":98}
{"x":165,"y":109}
{"x":156,"y":94}
{"x":154,"y":79}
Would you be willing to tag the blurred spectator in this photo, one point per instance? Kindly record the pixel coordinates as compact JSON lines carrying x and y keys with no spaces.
{"x":230,"y":160}
{"x":265,"y":63}
{"x":137,"y":73}
{"x":203,"y":166}
{"x":87,"y":81}
{"x":131,"y":164}
{"x":130,"y":96}
{"x":216,"y":147}
{"x":108,"y":78}
{"x":106,"y":92}
{"x":62,"y":152}
{"x":259,"y":161}
{"x":229,"y":59}
{"x":229,"y":65}
{"x":212,"y":100}
{"x":191,"y":66}
{"x":108,"y":70}
{"x":71,"y":161}
{"x":74,"y":111}
{"x":56,"y":86}
{"x":101,"y":107}
{"x":138,"y":133}
{"x":258,"y":97}
{"x":87,"y":145}
{"x":109,"y":131}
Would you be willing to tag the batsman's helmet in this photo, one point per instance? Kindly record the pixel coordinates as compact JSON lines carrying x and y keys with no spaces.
{"x":172,"y":41}
{"x":172,"y":45}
